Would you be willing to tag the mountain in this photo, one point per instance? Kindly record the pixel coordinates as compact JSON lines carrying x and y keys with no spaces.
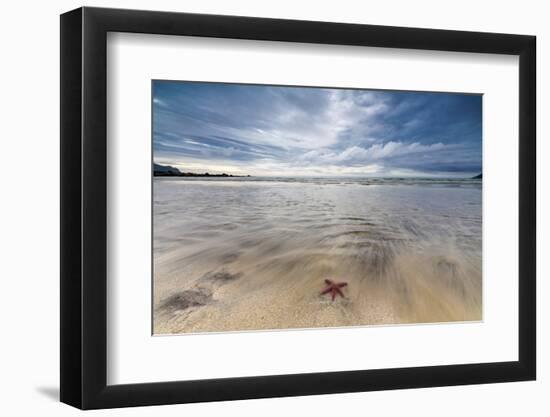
{"x":165,"y":170}
{"x":477,"y":177}
{"x":170,"y":171}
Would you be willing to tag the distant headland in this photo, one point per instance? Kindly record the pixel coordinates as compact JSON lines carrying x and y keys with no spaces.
{"x":477,"y":177}
{"x":170,"y":171}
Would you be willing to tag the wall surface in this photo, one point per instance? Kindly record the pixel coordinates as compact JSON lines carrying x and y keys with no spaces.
{"x":30,"y":206}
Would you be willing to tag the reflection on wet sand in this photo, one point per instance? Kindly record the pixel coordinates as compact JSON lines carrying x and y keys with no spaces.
{"x":247,"y":255}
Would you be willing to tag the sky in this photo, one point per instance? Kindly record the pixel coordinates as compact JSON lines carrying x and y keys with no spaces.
{"x":295,"y":131}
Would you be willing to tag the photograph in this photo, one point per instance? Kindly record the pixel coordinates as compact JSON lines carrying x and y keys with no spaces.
{"x":293,"y":207}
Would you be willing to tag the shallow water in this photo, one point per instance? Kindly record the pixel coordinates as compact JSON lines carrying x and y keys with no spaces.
{"x":253,"y":253}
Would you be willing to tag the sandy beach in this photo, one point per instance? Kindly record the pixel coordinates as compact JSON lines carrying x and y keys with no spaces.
{"x":253,"y":254}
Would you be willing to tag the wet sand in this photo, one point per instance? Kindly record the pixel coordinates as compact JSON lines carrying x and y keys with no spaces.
{"x":232,"y":255}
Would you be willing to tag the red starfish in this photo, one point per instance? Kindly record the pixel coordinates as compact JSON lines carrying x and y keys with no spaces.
{"x":334,"y":288}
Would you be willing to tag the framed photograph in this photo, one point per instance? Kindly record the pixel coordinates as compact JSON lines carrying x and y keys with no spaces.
{"x":258,"y":208}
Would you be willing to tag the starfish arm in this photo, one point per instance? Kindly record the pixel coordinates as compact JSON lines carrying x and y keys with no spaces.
{"x":326,"y":291}
{"x":333,"y":295}
{"x":342,"y":284}
{"x":339,"y":291}
{"x":328,"y":282}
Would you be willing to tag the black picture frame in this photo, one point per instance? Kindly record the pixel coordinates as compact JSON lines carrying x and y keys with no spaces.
{"x":84,"y":207}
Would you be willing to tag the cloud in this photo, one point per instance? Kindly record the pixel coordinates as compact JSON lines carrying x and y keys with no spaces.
{"x":159,"y":102}
{"x":359,"y":155}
